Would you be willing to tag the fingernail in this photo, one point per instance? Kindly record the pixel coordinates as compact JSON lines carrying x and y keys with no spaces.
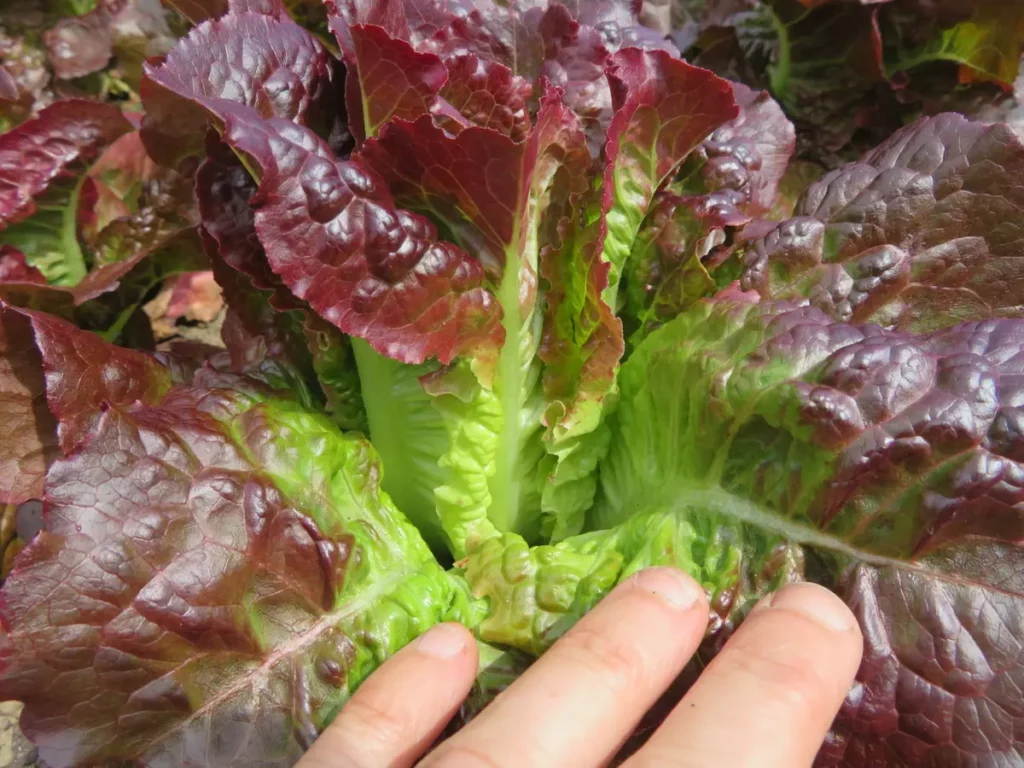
{"x":677,"y":589}
{"x":816,"y":603}
{"x":445,"y":641}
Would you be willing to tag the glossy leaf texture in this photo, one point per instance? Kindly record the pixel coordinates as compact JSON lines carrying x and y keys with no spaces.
{"x":922,"y":232}
{"x":85,"y":375}
{"x":267,"y":62}
{"x":333,"y":234}
{"x":309,"y":580}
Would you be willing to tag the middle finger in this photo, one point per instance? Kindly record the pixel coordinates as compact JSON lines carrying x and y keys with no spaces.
{"x":582,"y":699}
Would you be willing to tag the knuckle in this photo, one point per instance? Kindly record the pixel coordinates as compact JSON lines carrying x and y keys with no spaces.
{"x":614,"y":664}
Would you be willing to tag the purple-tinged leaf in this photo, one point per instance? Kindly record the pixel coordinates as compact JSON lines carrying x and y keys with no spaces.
{"x":921,"y":233}
{"x":478,"y":175}
{"x":29,"y":73}
{"x":85,"y":374}
{"x":668,"y":267}
{"x":394,"y":80}
{"x":486,"y":94}
{"x":881,"y":463}
{"x":743,"y":161}
{"x":39,"y":151}
{"x":270,"y":64}
{"x":694,"y":225}
{"x":14,"y":268}
{"x":30,"y":442}
{"x":130,"y":30}
{"x":575,"y":58}
{"x":80,"y":45}
{"x":333,"y":235}
{"x":582,"y":337}
{"x":225,"y":190}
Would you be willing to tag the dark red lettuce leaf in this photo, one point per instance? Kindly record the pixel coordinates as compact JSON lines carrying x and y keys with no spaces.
{"x":80,"y":45}
{"x":922,"y":232}
{"x":14,"y":268}
{"x":286,"y":73}
{"x":483,"y":93}
{"x":393,"y":79}
{"x":576,"y":58}
{"x":39,"y":151}
{"x":731,"y":178}
{"x":30,"y":431}
{"x":333,"y":235}
{"x":743,"y":161}
{"x":266,"y":321}
{"x":478,"y":175}
{"x":85,"y":375}
{"x":28,"y":72}
{"x":225,"y":190}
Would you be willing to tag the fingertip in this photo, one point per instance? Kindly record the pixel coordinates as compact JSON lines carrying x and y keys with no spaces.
{"x":814,"y":602}
{"x":445,"y":641}
{"x":672,"y":586}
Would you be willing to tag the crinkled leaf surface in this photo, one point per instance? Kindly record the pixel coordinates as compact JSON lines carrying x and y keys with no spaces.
{"x":333,"y":235}
{"x":227,"y":571}
{"x":665,"y":109}
{"x":733,"y":177}
{"x":922,"y":232}
{"x":85,"y":375}
{"x":393,"y":79}
{"x":269,"y":63}
{"x":742,"y":162}
{"x":30,"y":442}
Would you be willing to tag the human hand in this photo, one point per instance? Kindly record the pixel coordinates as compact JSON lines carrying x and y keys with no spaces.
{"x":765,"y":701}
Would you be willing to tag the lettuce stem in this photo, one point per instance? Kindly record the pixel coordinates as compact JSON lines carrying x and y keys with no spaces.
{"x":505,"y":491}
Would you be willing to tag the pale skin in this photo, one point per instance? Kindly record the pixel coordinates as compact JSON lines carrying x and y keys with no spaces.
{"x":766,"y":701}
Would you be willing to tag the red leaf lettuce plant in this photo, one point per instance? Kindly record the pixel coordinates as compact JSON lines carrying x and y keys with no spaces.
{"x":505,"y":294}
